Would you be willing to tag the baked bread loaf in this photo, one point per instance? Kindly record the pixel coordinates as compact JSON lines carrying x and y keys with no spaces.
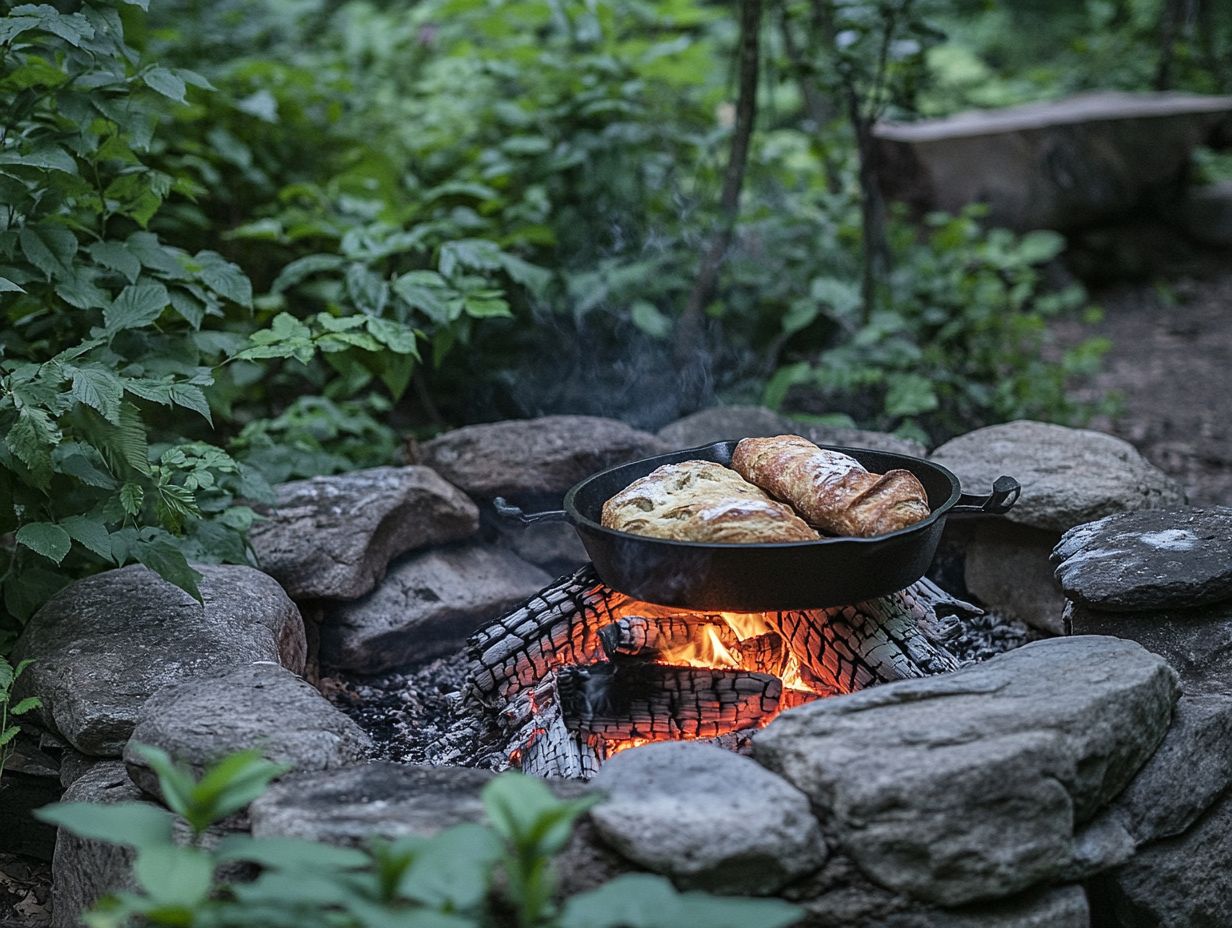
{"x":702,"y":501}
{"x":832,"y":491}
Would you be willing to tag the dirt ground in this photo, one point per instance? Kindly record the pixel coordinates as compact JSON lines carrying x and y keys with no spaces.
{"x":1171,"y":364}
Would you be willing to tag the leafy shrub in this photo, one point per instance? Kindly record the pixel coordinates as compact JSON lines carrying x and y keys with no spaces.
{"x":468,"y":876}
{"x":112,"y":336}
{"x":962,"y":339}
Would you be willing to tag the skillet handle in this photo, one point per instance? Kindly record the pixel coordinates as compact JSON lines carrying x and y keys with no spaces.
{"x":1005,"y":493}
{"x":507,"y":510}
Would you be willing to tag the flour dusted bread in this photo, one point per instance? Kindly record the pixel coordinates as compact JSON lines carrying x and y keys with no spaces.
{"x":702,"y":501}
{"x":832,"y":491}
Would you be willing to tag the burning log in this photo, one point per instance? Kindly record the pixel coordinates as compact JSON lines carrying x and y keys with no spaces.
{"x":559,"y":626}
{"x":639,"y":700}
{"x":877,"y":641}
{"x":648,"y":636}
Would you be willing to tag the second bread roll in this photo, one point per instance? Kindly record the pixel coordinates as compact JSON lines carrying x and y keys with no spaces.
{"x":833,"y":491}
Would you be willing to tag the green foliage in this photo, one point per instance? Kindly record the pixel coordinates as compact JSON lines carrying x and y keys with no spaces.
{"x":10,"y":710}
{"x":468,"y":876}
{"x":961,"y":340}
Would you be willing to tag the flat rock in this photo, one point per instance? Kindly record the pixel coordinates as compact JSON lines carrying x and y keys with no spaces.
{"x":708,"y":818}
{"x":104,"y":644}
{"x":1060,"y":164}
{"x":260,"y":706}
{"x":352,"y":804}
{"x":332,"y":537}
{"x":426,"y":607}
{"x":968,"y":786}
{"x":1068,"y":476}
{"x":1136,"y":561}
{"x":1197,"y":643}
{"x":1182,"y":882}
{"x":534,"y":458}
{"x":719,"y":423}
{"x":552,"y":546}
{"x":1052,"y":907}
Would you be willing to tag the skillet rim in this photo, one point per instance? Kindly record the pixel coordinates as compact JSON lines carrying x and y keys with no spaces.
{"x":582,"y":521}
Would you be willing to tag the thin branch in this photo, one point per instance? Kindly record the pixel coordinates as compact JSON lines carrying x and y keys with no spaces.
{"x":689,"y":330}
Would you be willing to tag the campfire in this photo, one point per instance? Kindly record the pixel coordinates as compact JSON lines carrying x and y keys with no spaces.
{"x":581,"y":671}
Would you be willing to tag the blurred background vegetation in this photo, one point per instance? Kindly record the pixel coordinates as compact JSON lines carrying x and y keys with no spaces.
{"x":245,"y":241}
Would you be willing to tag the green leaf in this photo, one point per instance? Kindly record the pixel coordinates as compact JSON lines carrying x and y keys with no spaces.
{"x":175,"y":876}
{"x":1040,"y":246}
{"x":131,"y":498}
{"x":49,"y":158}
{"x":133,"y":824}
{"x":50,"y":249}
{"x":910,"y":395}
{"x":7,"y":286}
{"x":166,"y":82}
{"x":302,"y":268}
{"x":224,"y":278}
{"x":29,"y":704}
{"x":525,"y":812}
{"x":31,"y":439}
{"x":90,"y":533}
{"x":99,"y":389}
{"x":137,"y":305}
{"x":160,"y":554}
{"x":647,"y":317}
{"x":191,"y":397}
{"x":396,"y":336}
{"x":292,"y":854}
{"x":638,"y":900}
{"x":45,"y":538}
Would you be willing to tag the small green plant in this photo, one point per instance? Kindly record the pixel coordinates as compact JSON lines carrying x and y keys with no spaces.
{"x":10,"y":710}
{"x":468,"y":876}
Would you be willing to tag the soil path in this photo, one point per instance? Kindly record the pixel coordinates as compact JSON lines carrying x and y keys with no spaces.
{"x":1171,"y":364}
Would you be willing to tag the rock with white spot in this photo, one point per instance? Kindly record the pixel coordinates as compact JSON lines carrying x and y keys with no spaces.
{"x":1156,"y":559}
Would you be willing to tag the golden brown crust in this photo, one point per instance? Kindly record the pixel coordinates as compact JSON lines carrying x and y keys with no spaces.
{"x":702,"y":501}
{"x":831,"y":490}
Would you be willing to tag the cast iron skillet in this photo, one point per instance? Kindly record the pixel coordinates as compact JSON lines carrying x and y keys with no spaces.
{"x":772,"y":576}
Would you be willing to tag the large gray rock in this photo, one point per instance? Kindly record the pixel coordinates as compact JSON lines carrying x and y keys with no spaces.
{"x":1054,"y":165}
{"x":1196,"y":642}
{"x":84,"y":870}
{"x":1008,"y":570}
{"x":840,"y":896}
{"x":1191,"y":769}
{"x":1068,"y":476}
{"x":1136,"y":561}
{"x":1182,"y":882}
{"x":533,"y":458}
{"x":426,"y":607}
{"x":707,"y":817}
{"x":964,"y":787}
{"x":719,"y":423}
{"x":552,"y":546}
{"x":260,"y":706}
{"x":351,"y":804}
{"x":103,"y":645}
{"x":332,"y":537}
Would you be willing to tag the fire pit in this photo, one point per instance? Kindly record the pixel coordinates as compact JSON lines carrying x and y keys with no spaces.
{"x":581,"y":671}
